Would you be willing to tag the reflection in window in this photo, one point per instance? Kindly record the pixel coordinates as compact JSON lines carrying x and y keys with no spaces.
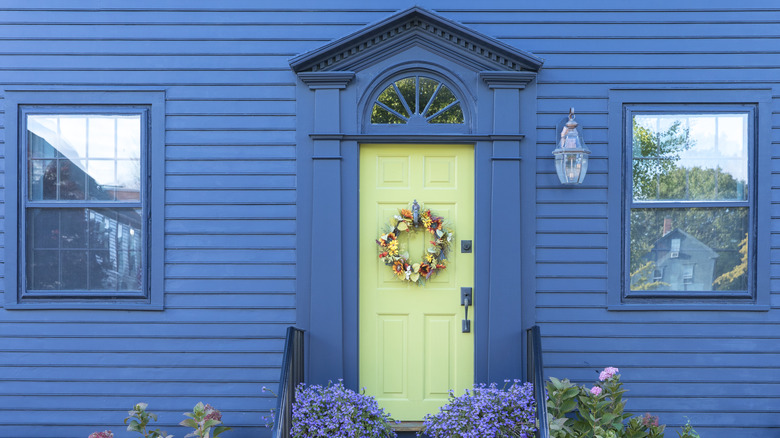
{"x":690,"y":157}
{"x":83,"y":210}
{"x":417,"y":98}
{"x":690,"y":209}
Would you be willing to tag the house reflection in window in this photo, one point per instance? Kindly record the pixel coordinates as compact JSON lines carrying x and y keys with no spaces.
{"x":682,"y":262}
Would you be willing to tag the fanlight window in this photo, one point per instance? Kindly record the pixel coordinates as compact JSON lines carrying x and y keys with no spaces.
{"x":417,"y":98}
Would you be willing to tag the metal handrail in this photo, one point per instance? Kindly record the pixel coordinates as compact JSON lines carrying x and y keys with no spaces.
{"x":535,"y":375}
{"x":292,"y":376}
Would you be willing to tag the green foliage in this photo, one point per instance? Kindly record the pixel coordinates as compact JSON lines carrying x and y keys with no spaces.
{"x":599,"y":412}
{"x":660,"y":173}
{"x":205,"y":420}
{"x":659,"y":153}
{"x":688,"y":431}
{"x":139,"y":420}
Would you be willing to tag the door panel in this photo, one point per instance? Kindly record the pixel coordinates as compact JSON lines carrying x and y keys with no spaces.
{"x":412,"y":351}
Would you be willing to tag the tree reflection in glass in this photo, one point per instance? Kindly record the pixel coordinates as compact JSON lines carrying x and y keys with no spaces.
{"x":690,"y":215}
{"x":416,"y":98}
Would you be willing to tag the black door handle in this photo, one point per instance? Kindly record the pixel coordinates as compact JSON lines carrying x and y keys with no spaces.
{"x":466,"y":298}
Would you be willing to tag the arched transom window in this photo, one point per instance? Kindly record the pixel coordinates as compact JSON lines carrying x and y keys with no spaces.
{"x":417,"y":99}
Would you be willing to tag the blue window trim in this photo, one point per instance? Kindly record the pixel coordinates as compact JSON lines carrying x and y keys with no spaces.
{"x":625,"y":102}
{"x":20,"y":102}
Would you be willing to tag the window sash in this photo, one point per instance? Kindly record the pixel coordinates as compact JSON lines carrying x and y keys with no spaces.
{"x":629,"y":112}
{"x":27,"y":204}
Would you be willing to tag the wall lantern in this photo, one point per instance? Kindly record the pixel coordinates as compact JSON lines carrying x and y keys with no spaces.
{"x":571,"y":155}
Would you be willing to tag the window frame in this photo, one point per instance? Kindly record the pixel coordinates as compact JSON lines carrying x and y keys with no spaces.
{"x":378,"y":86}
{"x":149,"y":103}
{"x":623,"y":105}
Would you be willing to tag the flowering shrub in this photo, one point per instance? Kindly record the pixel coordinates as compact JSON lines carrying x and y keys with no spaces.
{"x":599,"y":412}
{"x":485,"y":412}
{"x":139,"y":419}
{"x":205,"y":420}
{"x":337,"y":412}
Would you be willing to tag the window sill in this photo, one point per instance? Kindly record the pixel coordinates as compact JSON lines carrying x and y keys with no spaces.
{"x":83,"y":305}
{"x":741,"y":307}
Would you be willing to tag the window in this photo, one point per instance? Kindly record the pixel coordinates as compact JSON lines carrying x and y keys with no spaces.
{"x":690,"y":201}
{"x":417,"y":98}
{"x":84,"y":180}
{"x":83,"y":198}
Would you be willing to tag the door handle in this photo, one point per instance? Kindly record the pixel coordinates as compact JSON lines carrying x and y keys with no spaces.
{"x":466,"y":298}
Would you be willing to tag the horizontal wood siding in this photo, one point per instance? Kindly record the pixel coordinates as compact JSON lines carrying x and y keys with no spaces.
{"x":230,"y":206}
{"x":718,"y":368}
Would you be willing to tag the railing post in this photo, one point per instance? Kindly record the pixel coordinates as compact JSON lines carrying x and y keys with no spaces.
{"x":535,"y":375}
{"x":292,"y":375}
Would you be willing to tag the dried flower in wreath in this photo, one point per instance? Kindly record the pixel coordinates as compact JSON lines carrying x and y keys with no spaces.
{"x":434,"y":259}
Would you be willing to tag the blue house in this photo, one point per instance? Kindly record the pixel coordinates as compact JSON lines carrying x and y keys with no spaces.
{"x":185,"y":180}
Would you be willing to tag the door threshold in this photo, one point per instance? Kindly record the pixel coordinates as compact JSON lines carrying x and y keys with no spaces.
{"x":407,"y":426}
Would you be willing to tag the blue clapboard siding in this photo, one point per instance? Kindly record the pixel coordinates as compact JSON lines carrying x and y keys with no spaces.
{"x":231,"y":198}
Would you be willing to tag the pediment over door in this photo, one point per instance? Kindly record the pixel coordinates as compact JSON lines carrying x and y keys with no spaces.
{"x":416,"y":27}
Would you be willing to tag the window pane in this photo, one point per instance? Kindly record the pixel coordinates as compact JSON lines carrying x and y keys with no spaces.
{"x":90,"y":249}
{"x":42,"y":181}
{"x":443,"y":98}
{"x":427,"y":87}
{"x":43,"y":269}
{"x":689,"y":249}
{"x":74,"y":269}
{"x":102,"y":137}
{"x":690,"y":157}
{"x":99,"y":156}
{"x":380,"y":115}
{"x":408,"y":88}
{"x":453,"y":115}
{"x":390,"y":98}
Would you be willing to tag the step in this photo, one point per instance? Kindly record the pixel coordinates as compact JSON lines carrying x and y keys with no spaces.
{"x":407,"y":429}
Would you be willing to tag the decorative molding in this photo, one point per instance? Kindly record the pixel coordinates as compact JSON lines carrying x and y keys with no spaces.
{"x":374,"y":40}
{"x":507,"y":79}
{"x":334,"y":136}
{"x":430,"y":138}
{"x":329,"y":79}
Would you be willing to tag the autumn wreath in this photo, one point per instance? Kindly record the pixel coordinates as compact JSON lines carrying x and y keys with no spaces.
{"x":410,"y":221}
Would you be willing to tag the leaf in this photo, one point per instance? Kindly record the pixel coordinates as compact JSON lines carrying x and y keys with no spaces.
{"x":571,"y":392}
{"x":416,"y":267}
{"x":134,"y":426}
{"x":211,"y":423}
{"x":189,"y":422}
{"x":414,"y":277}
{"x":439,"y":233}
{"x":219,"y":429}
{"x":402,"y":226}
{"x":568,"y":405}
{"x":555,"y":382}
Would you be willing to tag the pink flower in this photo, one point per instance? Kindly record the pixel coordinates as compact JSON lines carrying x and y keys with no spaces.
{"x":608,"y":373}
{"x":650,"y":420}
{"x":213,"y":414}
{"x":104,"y":434}
{"x":595,"y":391}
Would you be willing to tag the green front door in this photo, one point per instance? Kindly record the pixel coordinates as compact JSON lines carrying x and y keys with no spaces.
{"x":412,"y":348}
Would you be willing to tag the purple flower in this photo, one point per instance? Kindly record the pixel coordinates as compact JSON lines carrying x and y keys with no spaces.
{"x":337,"y":412}
{"x":104,"y":434}
{"x":485,"y":412}
{"x":595,"y":391}
{"x":608,"y":373}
